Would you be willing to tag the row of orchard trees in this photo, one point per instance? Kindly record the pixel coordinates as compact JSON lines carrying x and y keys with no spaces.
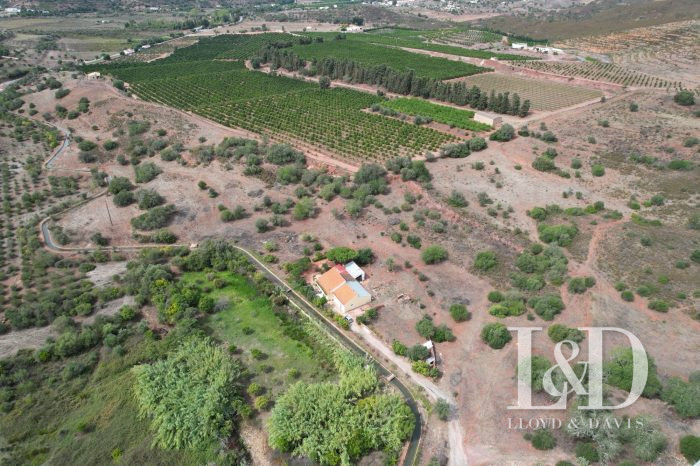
{"x":400,"y":82}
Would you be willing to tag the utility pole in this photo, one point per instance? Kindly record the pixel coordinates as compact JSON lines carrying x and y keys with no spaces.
{"x":108,"y":214}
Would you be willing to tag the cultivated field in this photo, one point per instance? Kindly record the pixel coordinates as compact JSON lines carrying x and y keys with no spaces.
{"x":281,"y":108}
{"x":543,"y":95}
{"x":605,"y":72}
{"x":440,"y":113}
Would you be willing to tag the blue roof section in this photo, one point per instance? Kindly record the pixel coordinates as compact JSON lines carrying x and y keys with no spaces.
{"x":358,"y":289}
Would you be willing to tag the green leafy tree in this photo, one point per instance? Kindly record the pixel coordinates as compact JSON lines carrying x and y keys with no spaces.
{"x":190,"y":398}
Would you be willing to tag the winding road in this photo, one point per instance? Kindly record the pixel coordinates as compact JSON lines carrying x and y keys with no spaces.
{"x":411,"y":456}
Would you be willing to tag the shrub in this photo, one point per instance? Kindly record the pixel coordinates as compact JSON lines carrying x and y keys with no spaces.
{"x":690,"y":448}
{"x":148,"y":198}
{"x":618,"y":372}
{"x":597,"y":170}
{"x":123,"y":198}
{"x":495,"y":296}
{"x":154,"y":218}
{"x":508,"y":308}
{"x":547,"y":306}
{"x":560,"y":332}
{"x":495,"y":335}
{"x":164,"y":236}
{"x":658,"y":305}
{"x":455,"y":151}
{"x":442,"y":409}
{"x":579,"y":285}
{"x":477,"y":143}
{"x":61,"y":93}
{"x":695,"y":256}
{"x":417,"y":353}
{"x":684,"y":98}
{"x":86,"y":146}
{"x":435,"y":254}
{"x":627,"y":295}
{"x":145,"y":172}
{"x":504,"y":133}
{"x":262,"y":403}
{"x":262,"y":225}
{"x":110,"y":145}
{"x":485,"y":261}
{"x":588,"y":451}
{"x":341,"y":255}
{"x":543,"y":439}
{"x":399,"y":348}
{"x":562,"y":235}
{"x":544,"y":164}
{"x":684,"y":396}
{"x":283,"y":154}
{"x":304,"y":209}
{"x":459,"y":312}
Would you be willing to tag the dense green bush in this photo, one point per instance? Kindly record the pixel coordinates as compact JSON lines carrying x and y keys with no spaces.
{"x":495,"y":335}
{"x":86,"y":146}
{"x":695,"y":256}
{"x":560,"y":332}
{"x":442,"y":409}
{"x":495,"y":296}
{"x":146,"y":172}
{"x":210,"y":378}
{"x":459,"y":312}
{"x":547,"y":306}
{"x":684,"y":97}
{"x":544,"y":164}
{"x":417,"y":353}
{"x":683,"y":396}
{"x":508,"y":308}
{"x":690,"y":448}
{"x":154,"y":218}
{"x":658,"y":305}
{"x":283,"y":154}
{"x":543,"y":439}
{"x":124,"y":198}
{"x":119,"y":184}
{"x":597,"y":170}
{"x":588,"y":451}
{"x":434,"y":254}
{"x":504,"y":133}
{"x":562,"y":235}
{"x":485,"y":261}
{"x":477,"y":143}
{"x":618,"y":372}
{"x":148,"y":198}
{"x":579,"y":285}
{"x":109,"y":145}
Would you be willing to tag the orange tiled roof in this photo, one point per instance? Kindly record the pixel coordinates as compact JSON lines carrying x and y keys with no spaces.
{"x":330,"y":280}
{"x":344,"y":294}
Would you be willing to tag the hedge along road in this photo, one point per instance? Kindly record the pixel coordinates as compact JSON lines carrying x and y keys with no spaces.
{"x":295,"y":298}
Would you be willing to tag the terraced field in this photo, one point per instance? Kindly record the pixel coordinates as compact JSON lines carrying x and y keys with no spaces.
{"x":543,"y":95}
